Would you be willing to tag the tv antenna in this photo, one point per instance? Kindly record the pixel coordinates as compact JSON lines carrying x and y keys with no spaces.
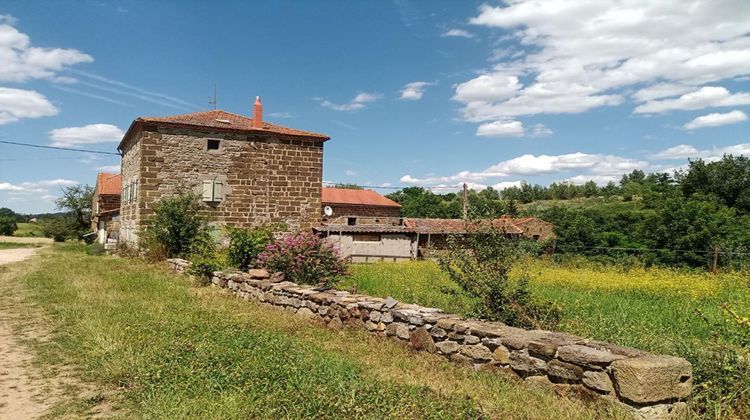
{"x":212,"y":101}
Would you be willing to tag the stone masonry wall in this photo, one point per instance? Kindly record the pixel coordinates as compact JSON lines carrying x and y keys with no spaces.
{"x":130,"y":169}
{"x":340,"y":210}
{"x":646,"y":385}
{"x":267,"y":178}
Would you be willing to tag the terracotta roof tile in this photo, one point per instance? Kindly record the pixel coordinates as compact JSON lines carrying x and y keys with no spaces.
{"x":108,"y":184}
{"x":227,"y":120}
{"x":356,"y":197}
{"x":454,"y":226}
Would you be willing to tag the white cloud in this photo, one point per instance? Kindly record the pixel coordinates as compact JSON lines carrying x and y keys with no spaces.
{"x":715,"y":120}
{"x":87,"y":134}
{"x":529,"y":165}
{"x":501,"y":129}
{"x":18,"y":103}
{"x":359,"y":102}
{"x":7,"y":186}
{"x":413,"y":91}
{"x":350,"y":172}
{"x":585,"y":54}
{"x":20,"y":61}
{"x":36,"y":187}
{"x":598,"y":179}
{"x":540,"y":130}
{"x":460,"y":33}
{"x":684,"y":151}
{"x":109,"y":168}
{"x":507,"y":184}
{"x":705,"y":97}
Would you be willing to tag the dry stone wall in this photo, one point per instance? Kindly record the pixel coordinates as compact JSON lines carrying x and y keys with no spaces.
{"x":647,"y":385}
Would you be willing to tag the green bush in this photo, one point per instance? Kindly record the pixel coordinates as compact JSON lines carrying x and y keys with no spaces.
{"x":304,"y":258}
{"x":95,"y":249}
{"x":58,"y":228}
{"x":480,"y":263}
{"x":246,"y":244}
{"x":7,"y":225}
{"x":175,"y":225}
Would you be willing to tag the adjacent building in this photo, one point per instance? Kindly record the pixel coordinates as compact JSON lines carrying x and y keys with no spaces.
{"x":246,"y":171}
{"x":357,"y":205}
{"x":105,"y":207}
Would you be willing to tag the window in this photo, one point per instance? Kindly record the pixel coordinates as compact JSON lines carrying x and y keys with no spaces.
{"x":351,"y":221}
{"x":212,"y":191}
{"x":212,"y":144}
{"x":366,"y":237}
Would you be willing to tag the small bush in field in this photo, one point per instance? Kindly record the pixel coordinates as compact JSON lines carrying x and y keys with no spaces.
{"x":203,"y":257}
{"x":7,"y":225}
{"x":175,"y":225}
{"x":246,"y":244}
{"x":480,"y":263}
{"x":304,"y":258}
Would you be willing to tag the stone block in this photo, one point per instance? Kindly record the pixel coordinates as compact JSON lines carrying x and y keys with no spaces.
{"x":598,"y":381}
{"x":501,"y":355}
{"x":563,"y":371}
{"x":386,"y":317}
{"x":651,"y":379}
{"x":447,"y":347}
{"x":586,"y":356}
{"x":402,"y":331}
{"x":477,"y":352}
{"x":526,"y":365}
{"x":421,"y":339}
{"x":438,"y":332}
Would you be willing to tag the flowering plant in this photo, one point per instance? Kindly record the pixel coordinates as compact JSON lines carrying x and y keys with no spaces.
{"x":304,"y":258}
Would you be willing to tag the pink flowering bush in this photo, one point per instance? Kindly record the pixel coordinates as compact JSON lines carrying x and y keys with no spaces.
{"x":304,"y":258}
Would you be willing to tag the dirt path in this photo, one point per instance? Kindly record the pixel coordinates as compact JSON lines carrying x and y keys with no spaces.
{"x":8,"y":256}
{"x":27,"y":392}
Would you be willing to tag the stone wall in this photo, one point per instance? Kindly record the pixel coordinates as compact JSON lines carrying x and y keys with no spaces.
{"x":340,"y":210}
{"x":646,"y":385}
{"x":390,"y":247}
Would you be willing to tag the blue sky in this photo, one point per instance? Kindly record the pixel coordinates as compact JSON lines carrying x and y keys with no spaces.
{"x":412,"y":93}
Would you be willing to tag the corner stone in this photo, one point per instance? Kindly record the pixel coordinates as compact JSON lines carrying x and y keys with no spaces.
{"x":421,"y":339}
{"x":652,"y":379}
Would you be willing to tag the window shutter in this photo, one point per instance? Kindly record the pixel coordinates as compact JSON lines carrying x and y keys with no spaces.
{"x":208,"y":191}
{"x":126,"y":193}
{"x":218,"y":190}
{"x":134,"y":191}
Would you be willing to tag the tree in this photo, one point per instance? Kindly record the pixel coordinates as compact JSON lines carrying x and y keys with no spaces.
{"x":727,"y":179}
{"x":176,"y":225}
{"x":7,"y":225}
{"x":76,"y":201}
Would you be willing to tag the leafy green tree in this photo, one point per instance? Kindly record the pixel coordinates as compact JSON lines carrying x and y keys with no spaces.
{"x":76,"y":201}
{"x":7,"y":225}
{"x":727,"y":179}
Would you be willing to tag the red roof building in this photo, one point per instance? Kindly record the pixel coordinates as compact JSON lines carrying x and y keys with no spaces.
{"x":357,"y":203}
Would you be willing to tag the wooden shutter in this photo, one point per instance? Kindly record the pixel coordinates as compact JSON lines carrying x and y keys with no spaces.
{"x":218,"y":190}
{"x":208,"y":191}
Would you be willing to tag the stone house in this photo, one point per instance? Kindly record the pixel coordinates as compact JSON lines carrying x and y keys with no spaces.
{"x":105,"y":207}
{"x":536,"y":228}
{"x":354,"y":204}
{"x":246,"y":171}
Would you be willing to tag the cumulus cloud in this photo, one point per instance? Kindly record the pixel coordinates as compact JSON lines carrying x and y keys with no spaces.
{"x":541,"y":130}
{"x":36,"y":186}
{"x":588,"y":54}
{"x":716,"y":120}
{"x":359,"y":102}
{"x":20,"y":61}
{"x":87,"y":134}
{"x":109,"y":168}
{"x":501,"y":129}
{"x":413,"y":91}
{"x":684,"y":151}
{"x":529,"y":165}
{"x":705,"y":97}
{"x":18,"y":103}
{"x":460,"y":33}
{"x":350,"y":172}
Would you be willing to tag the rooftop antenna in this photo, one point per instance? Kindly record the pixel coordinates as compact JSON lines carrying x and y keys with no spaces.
{"x":212,"y":101}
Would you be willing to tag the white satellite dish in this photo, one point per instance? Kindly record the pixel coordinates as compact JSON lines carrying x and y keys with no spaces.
{"x":328,"y":211}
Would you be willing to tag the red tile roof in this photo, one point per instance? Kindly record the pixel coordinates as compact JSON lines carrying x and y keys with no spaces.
{"x":456,"y":226}
{"x":229,"y":121}
{"x":108,"y":184}
{"x":356,"y":197}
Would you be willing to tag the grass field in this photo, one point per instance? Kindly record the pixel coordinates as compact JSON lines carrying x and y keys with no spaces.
{"x":172,"y":349}
{"x":28,"y":229}
{"x":659,"y":310}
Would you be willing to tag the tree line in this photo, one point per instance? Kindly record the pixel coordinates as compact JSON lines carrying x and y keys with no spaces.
{"x":677,"y":219}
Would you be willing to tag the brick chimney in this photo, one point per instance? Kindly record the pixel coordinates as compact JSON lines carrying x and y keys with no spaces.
{"x":257,"y":113}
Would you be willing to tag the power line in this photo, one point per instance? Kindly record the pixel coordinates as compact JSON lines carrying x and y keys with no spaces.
{"x":69,"y":149}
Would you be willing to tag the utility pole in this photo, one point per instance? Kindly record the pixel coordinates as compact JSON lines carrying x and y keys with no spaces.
{"x":715,"y":261}
{"x":466,"y":202}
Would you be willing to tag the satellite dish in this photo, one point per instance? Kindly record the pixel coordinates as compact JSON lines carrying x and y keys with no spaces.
{"x":328,"y":211}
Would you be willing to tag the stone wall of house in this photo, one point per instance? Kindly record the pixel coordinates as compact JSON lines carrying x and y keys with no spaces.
{"x":340,"y":210}
{"x":646,"y":385}
{"x":538,"y":229}
{"x":266,"y":178}
{"x":131,"y":168}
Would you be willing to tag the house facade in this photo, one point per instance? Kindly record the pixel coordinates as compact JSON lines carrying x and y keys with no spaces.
{"x":357,"y":203}
{"x":105,"y":207}
{"x":246,"y":171}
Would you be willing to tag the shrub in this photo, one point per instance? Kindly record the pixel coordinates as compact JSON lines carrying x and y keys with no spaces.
{"x":175,"y":225}
{"x":7,"y":225}
{"x":95,"y":249}
{"x":246,"y":244}
{"x":304,"y":258}
{"x":203,"y":257}
{"x":58,"y":228}
{"x":480,"y":263}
